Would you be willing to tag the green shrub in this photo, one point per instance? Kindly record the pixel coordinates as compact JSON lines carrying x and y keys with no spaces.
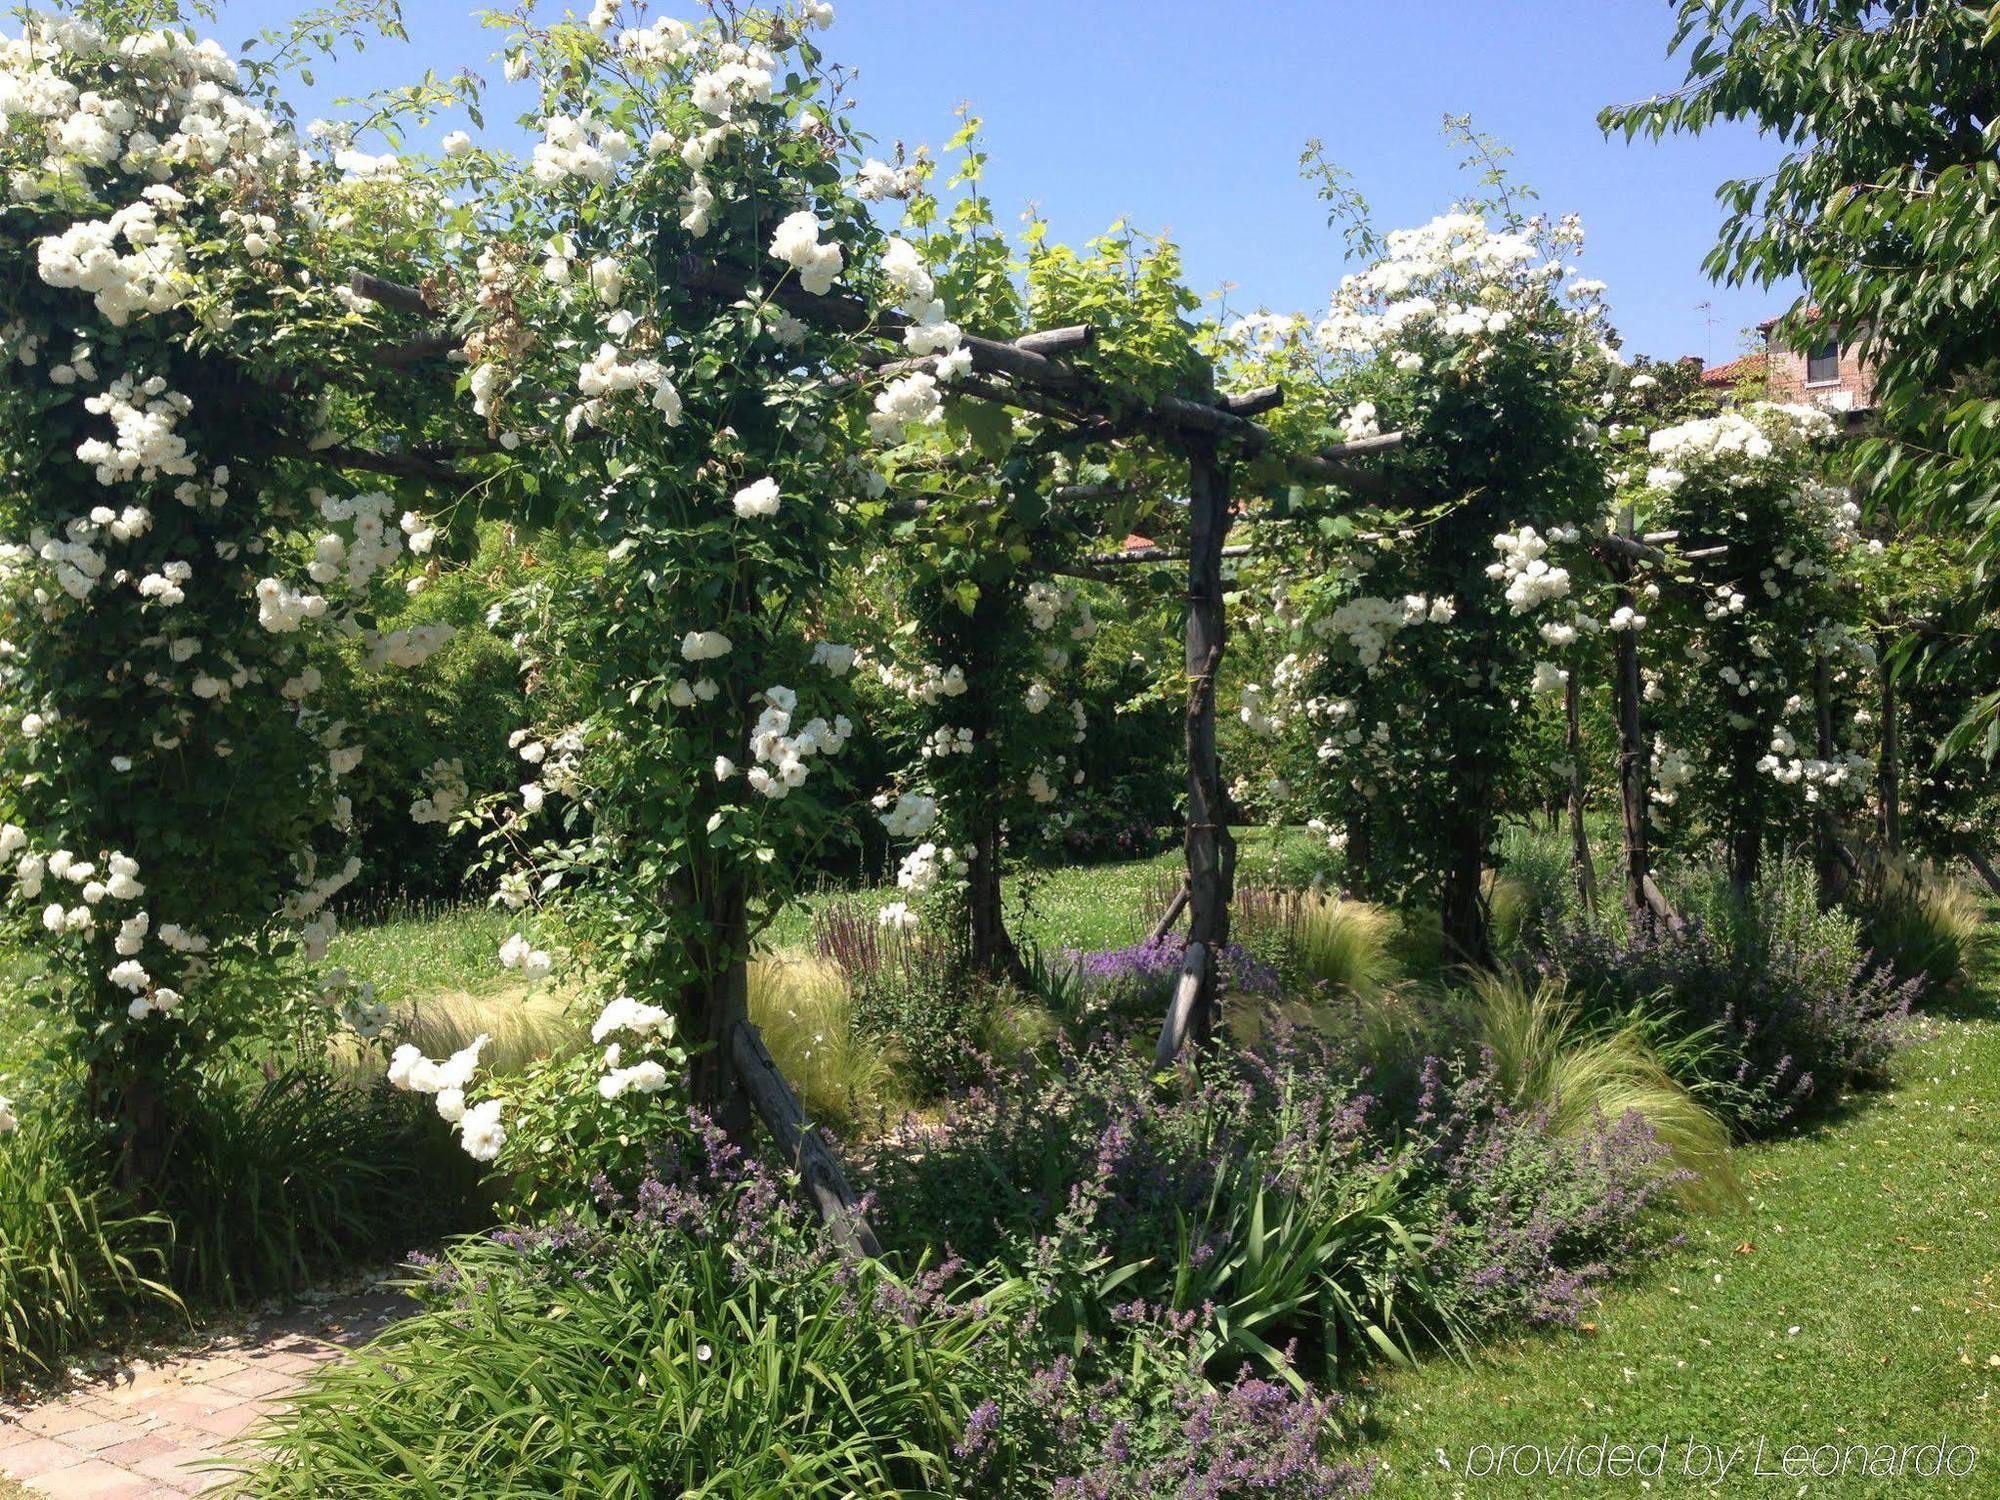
{"x":1760,"y":1003}
{"x":72,"y":1255}
{"x":1325,"y":946}
{"x":913,"y":993}
{"x":270,"y":1183}
{"x":665,"y":1357}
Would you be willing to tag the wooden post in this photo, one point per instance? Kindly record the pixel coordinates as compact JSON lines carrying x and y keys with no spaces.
{"x":1579,"y":837}
{"x":804,"y":1149}
{"x":1889,"y":771}
{"x":1211,"y":851}
{"x":1632,"y":753}
{"x":1830,"y":856}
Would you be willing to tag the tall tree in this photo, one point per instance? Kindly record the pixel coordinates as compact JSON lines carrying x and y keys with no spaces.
{"x":1883,"y":205}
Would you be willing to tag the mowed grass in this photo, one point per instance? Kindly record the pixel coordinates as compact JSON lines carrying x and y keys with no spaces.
{"x":1854,"y":1300}
{"x":418,"y":951}
{"x":1078,"y":906}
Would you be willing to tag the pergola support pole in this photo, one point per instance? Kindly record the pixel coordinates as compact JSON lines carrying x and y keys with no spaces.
{"x":1210,"y":848}
{"x":1583,"y":867}
{"x":1640,"y":892}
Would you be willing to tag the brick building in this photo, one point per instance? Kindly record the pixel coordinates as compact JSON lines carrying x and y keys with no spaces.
{"x":1824,"y":374}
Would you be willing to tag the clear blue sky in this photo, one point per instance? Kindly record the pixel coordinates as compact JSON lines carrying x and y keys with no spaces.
{"x":1188,"y":116}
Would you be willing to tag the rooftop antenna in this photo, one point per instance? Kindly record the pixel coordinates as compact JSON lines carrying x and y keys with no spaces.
{"x":1707,"y":309}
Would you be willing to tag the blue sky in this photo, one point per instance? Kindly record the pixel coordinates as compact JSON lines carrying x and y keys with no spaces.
{"x":1188,"y":116}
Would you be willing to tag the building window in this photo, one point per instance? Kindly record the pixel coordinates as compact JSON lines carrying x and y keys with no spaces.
{"x":1823,"y":364}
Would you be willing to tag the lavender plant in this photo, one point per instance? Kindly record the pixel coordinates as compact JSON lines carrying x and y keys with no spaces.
{"x":1777,"y":1006}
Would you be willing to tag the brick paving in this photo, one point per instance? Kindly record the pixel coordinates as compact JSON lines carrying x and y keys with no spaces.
{"x":160,"y":1430}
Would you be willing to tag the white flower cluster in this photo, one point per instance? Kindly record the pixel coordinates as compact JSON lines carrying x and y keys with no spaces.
{"x":649,"y":48}
{"x":151,"y":279}
{"x":878,"y":180}
{"x":582,"y":147}
{"x":908,"y":401}
{"x":913,"y":815}
{"x":281,"y":609}
{"x":633,"y":1018}
{"x":925,"y":867}
{"x":118,"y":881}
{"x":836,"y":659}
{"x":1531,"y":581}
{"x":1368,"y":623}
{"x":1046,"y":603}
{"x":479,"y":1128}
{"x":704,"y":645}
{"x":518,"y":953}
{"x":742,"y":75}
{"x":944,"y":740}
{"x":1454,"y":279}
{"x":929,"y":331}
{"x":756,"y":501}
{"x":818,"y":262}
{"x":607,"y":373}
{"x":446,"y":792}
{"x":782,"y":756}
{"x":1732,"y":447}
{"x":930,"y":688}
{"x":144,"y":415}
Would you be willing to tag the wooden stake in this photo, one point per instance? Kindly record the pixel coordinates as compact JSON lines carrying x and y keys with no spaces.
{"x":1182,"y":1014}
{"x":1889,"y":771}
{"x":1168,"y":918}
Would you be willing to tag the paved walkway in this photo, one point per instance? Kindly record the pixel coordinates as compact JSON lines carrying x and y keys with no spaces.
{"x":155,"y":1431}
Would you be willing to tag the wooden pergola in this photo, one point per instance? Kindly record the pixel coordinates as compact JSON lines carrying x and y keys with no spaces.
{"x":1030,"y":373}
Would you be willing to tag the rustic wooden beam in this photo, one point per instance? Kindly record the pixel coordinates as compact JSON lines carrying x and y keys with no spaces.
{"x":1629,"y":547}
{"x":1183,"y":1011}
{"x":394,"y":294}
{"x":1583,"y":867}
{"x":433,"y":345}
{"x":1888,"y":768}
{"x":802,"y":1145}
{"x":401,"y":465}
{"x":1058,"y":340}
{"x":1169,"y":917}
{"x":1210,"y":849}
{"x":1133,"y":555}
{"x":1250,"y":403}
{"x":1984,"y":867}
{"x":1833,"y":859}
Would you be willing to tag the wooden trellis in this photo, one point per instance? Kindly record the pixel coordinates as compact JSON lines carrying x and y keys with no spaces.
{"x":1030,"y":374}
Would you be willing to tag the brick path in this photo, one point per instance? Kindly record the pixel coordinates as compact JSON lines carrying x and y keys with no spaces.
{"x":153,"y":1431}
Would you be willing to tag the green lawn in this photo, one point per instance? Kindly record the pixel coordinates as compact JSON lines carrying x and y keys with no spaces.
{"x":1856,"y":1300}
{"x":1082,"y":906}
